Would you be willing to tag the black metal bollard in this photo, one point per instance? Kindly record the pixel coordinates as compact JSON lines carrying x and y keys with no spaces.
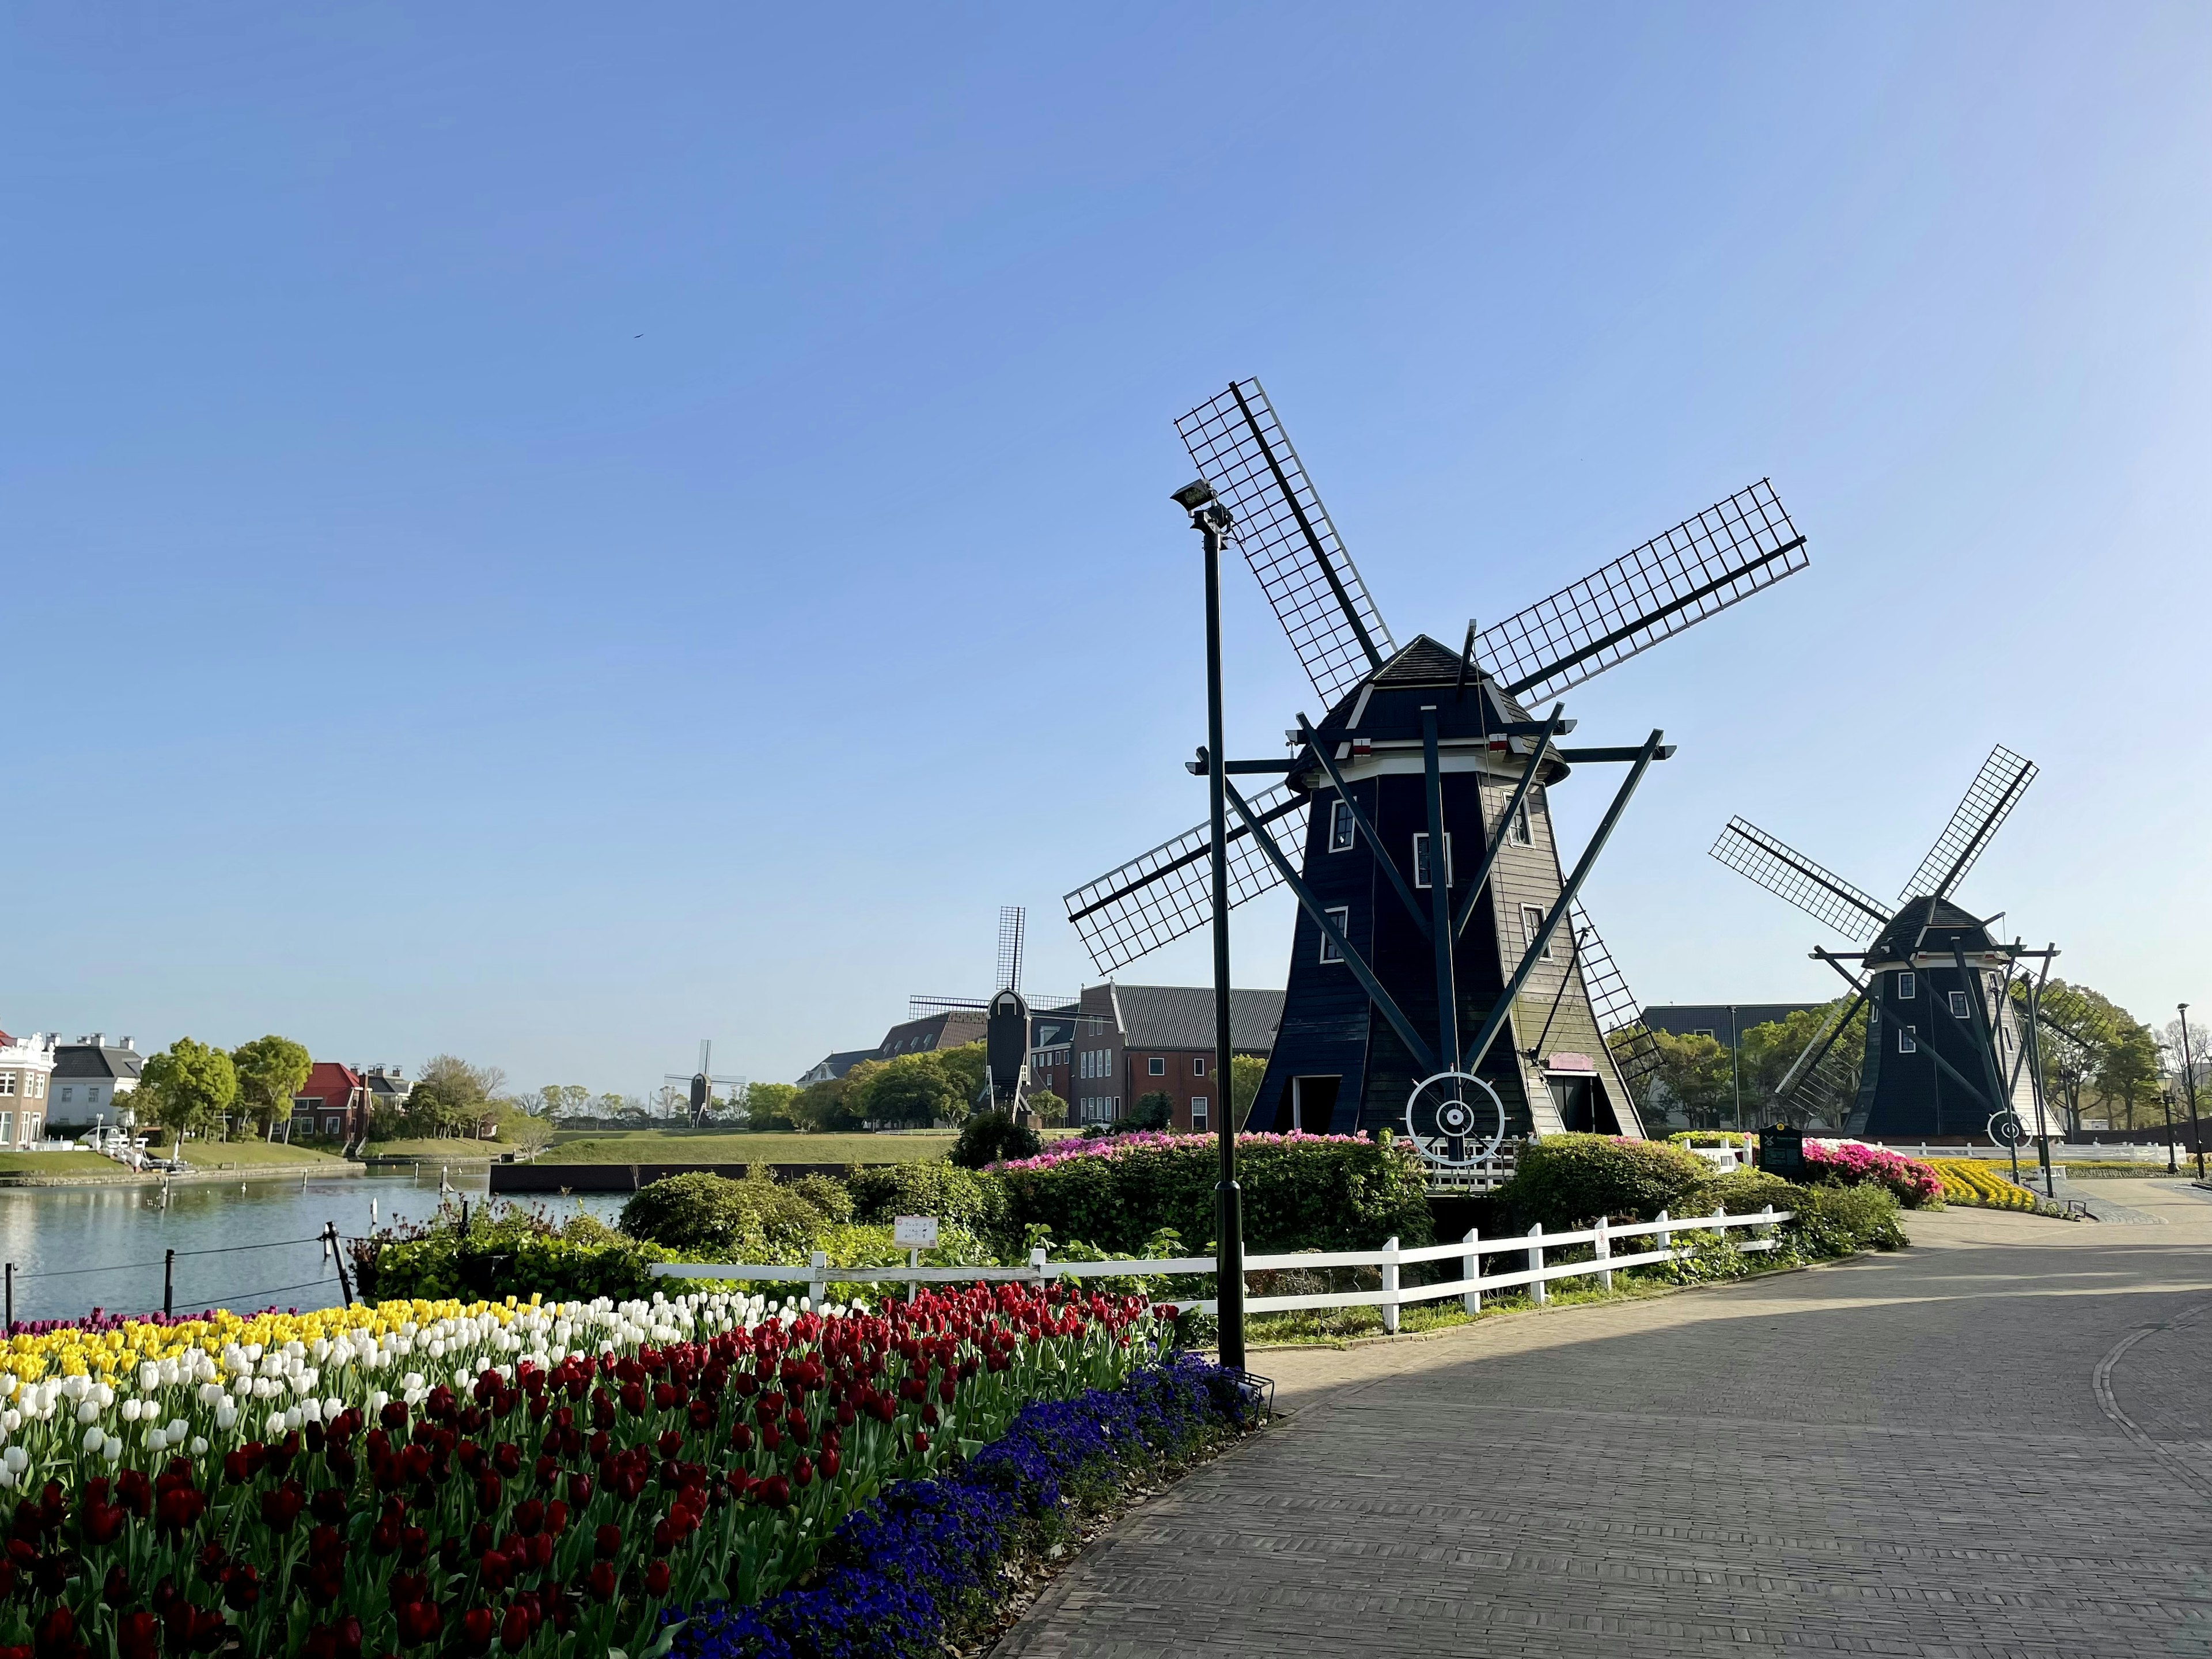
{"x":168,"y":1284}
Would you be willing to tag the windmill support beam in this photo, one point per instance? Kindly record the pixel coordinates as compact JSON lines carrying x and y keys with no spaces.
{"x":1366,"y":826}
{"x":1984,"y":1038}
{"x":1496,"y":844}
{"x":1439,"y":894}
{"x":1423,"y":1055}
{"x":1498,"y":1015}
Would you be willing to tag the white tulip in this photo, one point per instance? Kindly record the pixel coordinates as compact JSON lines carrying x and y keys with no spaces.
{"x":226,"y":1412}
{"x":130,"y":1410}
{"x":88,"y":1413}
{"x":278,"y":1425}
{"x":93,"y":1437}
{"x":157,"y":1440}
{"x":198,"y":1448}
{"x":149,"y":1377}
{"x":112,"y":1450}
{"x":7,"y":1479}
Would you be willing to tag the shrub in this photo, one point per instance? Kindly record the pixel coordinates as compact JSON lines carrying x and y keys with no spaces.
{"x":701,"y":1213}
{"x":1740,"y":1191}
{"x":1712,"y":1138}
{"x":1152,"y":1111}
{"x":1570,"y":1179}
{"x":1324,"y":1191}
{"x":987,"y":1137}
{"x":1837,"y":1220}
{"x":1853,"y":1162}
{"x":510,"y":1249}
{"x":977,"y":1202}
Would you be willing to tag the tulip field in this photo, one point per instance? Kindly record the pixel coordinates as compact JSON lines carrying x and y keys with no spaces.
{"x":434,"y":1478}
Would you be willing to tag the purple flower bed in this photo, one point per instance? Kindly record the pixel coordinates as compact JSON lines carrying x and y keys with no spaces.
{"x":1141,"y":1140}
{"x":898,"y":1573}
{"x":100,"y":1319}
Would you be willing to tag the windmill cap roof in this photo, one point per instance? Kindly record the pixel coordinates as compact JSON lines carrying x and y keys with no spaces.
{"x":1948,"y":927}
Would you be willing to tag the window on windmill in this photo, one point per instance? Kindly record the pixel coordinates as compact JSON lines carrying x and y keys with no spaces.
{"x":1421,"y":858}
{"x":1532,"y":924}
{"x":1341,"y":915}
{"x":1340,"y":827}
{"x":1958,"y":1004}
{"x":1907,"y":1041}
{"x":1523,"y":835}
{"x":1908,"y":986}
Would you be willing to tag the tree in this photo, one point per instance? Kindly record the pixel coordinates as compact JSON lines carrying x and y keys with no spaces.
{"x":768,"y":1105}
{"x":1155,"y":1110}
{"x":526,"y":1132}
{"x":453,"y":1097}
{"x":963,"y":1069}
{"x":559,"y":1100}
{"x":1770,"y":1048}
{"x":269,"y":1070}
{"x":1695,"y":1075}
{"x":1245,"y":1072}
{"x":187,"y":1086}
{"x":1048,"y":1107}
{"x":2096,"y":1055}
{"x":909,"y":1091}
{"x":826,"y":1107}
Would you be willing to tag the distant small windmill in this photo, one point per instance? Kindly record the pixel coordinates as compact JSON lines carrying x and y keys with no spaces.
{"x":699,"y":1087}
{"x":1013,"y":923}
{"x":1947,"y":1050}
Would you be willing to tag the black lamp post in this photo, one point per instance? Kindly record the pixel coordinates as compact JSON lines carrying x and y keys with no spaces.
{"x":2165,"y":1096}
{"x":2189,"y":1081}
{"x":1211,"y":520}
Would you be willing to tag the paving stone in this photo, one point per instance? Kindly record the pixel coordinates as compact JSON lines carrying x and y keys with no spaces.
{"x":1903,"y":1455}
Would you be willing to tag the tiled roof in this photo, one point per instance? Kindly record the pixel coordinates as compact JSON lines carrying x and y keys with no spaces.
{"x":81,"y":1060}
{"x":1181,"y":1016}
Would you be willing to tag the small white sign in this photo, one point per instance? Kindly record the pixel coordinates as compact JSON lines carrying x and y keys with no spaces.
{"x":914,"y":1232}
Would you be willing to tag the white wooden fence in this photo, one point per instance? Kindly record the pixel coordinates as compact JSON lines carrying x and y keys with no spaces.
{"x":1657,"y":1237}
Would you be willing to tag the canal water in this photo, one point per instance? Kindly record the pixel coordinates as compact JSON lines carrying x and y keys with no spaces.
{"x":244,"y":1245}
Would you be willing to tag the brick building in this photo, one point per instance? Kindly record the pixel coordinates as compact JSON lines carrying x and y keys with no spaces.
{"x":1118,"y":1043}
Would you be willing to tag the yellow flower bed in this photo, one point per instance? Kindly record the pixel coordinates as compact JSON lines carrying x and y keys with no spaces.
{"x":107,"y":1354}
{"x":1970,"y":1181}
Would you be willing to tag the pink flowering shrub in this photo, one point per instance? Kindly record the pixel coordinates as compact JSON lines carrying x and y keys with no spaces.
{"x":1853,"y":1164}
{"x":1141,"y":1140}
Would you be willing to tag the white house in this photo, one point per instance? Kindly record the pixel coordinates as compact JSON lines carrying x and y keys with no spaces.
{"x":27,"y":1071}
{"x":88,"y":1074}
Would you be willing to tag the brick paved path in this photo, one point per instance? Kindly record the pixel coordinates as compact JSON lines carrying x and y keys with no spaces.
{"x":1908,"y":1454}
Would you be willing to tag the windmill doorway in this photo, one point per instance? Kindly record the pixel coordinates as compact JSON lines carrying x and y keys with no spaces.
{"x":1571,"y":1097}
{"x":1307,"y":1105}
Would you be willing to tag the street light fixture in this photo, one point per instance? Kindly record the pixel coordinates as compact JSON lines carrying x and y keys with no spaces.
{"x":1211,"y":520}
{"x":2189,"y":1080}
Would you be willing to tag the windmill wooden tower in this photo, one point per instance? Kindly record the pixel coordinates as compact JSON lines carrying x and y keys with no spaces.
{"x":1456,"y":997}
{"x":1947,"y":1050}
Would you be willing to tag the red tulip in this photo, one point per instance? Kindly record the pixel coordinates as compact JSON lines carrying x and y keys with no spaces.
{"x":832,"y":1461}
{"x":606,"y":1542}
{"x":802,"y":1471}
{"x":138,"y":1636}
{"x":281,"y":1508}
{"x":656,"y":1578}
{"x":506,"y":1458}
{"x":56,"y":1636}
{"x":420,"y":1622}
{"x":580,"y":1490}
{"x":494,"y":1570}
{"x":243,"y":1588}
{"x":100,"y":1520}
{"x":774,"y":1491}
{"x":603,"y":1581}
{"x":529,"y":1516}
{"x":488,"y":1489}
{"x":556,"y":1518}
{"x":477,"y":1625}
{"x":514,"y":1630}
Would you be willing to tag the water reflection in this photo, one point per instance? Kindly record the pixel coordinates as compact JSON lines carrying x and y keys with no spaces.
{"x":75,"y":1249}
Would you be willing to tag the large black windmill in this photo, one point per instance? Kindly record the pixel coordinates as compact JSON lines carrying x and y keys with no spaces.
{"x":1411,"y":1000}
{"x":1947,"y":1050}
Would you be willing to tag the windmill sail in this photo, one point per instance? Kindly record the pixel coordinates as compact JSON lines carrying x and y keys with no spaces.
{"x":1821,"y":894}
{"x":1285,"y":535}
{"x":1702,"y":565}
{"x":1167,"y":892}
{"x":1996,"y":790}
{"x":1619,"y":1015}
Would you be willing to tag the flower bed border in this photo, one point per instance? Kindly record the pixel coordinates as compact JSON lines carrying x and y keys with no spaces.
{"x":956,"y":1555}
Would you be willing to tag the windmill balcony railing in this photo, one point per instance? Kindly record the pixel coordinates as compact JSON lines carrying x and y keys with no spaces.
{"x":1655,"y":1238}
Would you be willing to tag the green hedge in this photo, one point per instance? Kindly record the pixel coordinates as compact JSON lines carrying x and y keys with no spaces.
{"x":711,"y":1217}
{"x":974,"y":1200}
{"x":1568,"y":1181}
{"x":1306,"y":1193}
{"x":510,"y":1253}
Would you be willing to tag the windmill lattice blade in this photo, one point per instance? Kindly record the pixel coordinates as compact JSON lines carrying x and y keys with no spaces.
{"x":1827,"y":1091}
{"x":1821,"y":894}
{"x":1130,"y":911}
{"x":1997,"y":789}
{"x":1619,"y":1015}
{"x":1011,"y":917}
{"x":1287,"y":537}
{"x":1702,"y":565}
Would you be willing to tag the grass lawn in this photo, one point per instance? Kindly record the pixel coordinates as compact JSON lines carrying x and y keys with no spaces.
{"x":58,"y":1163}
{"x":452,"y":1149}
{"x":762,"y":1148}
{"x":242,"y":1154}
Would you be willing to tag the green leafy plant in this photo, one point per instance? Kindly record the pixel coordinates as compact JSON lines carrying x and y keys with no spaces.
{"x":1569,"y":1179}
{"x":989,"y":1136}
{"x":711,"y":1215}
{"x":933,"y":1186}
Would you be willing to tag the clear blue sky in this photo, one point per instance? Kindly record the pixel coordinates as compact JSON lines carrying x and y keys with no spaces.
{"x":549,"y":532}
